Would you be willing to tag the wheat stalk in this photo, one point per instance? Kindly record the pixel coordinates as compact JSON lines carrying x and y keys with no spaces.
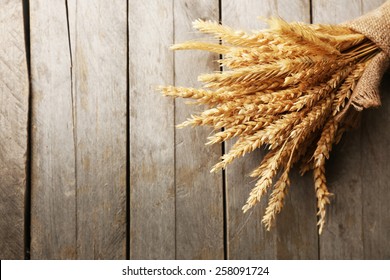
{"x":287,"y":88}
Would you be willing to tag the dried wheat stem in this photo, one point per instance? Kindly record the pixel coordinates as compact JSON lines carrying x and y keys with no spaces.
{"x":244,"y":128}
{"x":324,"y":144}
{"x":322,"y":194}
{"x":275,"y":131}
{"x":238,"y":38}
{"x":300,"y":30}
{"x":276,"y":199}
{"x":275,"y":203}
{"x":263,"y":54}
{"x":331,"y":30}
{"x":211,"y":47}
{"x":259,"y":74}
{"x":345,"y":90}
{"x":266,"y":172}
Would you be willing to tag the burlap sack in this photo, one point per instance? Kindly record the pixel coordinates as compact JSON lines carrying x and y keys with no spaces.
{"x":375,"y":26}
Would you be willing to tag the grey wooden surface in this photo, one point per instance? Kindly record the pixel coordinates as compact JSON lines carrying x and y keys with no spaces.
{"x":111,"y":176}
{"x":195,"y":192}
{"x":53,"y":167}
{"x":79,"y":93}
{"x":13,"y":130}
{"x":152,"y":131}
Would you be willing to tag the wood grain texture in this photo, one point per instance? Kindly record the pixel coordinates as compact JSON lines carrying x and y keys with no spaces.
{"x":14,"y":90}
{"x":247,"y":238}
{"x":53,"y":168}
{"x":375,"y":155}
{"x":376,"y":171}
{"x":199,"y":196}
{"x":334,"y":11}
{"x":79,"y":170}
{"x":100,"y":94}
{"x":79,"y":59}
{"x":152,"y":166}
{"x":350,"y":228}
{"x":342,"y":235}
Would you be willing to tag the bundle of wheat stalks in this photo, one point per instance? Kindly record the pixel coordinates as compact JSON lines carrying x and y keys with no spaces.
{"x":287,"y":88}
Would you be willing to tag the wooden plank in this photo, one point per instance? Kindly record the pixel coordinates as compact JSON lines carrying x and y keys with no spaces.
{"x":100,"y":91}
{"x":80,"y":143}
{"x":296,"y":224}
{"x":334,"y":11}
{"x":14,"y":90}
{"x":152,"y":187}
{"x":199,"y":196}
{"x":369,"y":5}
{"x":375,"y":173}
{"x":53,"y":229}
{"x":295,"y":234}
{"x":342,"y":236}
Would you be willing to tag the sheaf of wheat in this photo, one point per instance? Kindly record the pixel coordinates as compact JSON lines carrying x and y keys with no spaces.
{"x":287,"y":88}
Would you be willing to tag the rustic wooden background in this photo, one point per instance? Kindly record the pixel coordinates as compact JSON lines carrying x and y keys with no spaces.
{"x":92,"y":167}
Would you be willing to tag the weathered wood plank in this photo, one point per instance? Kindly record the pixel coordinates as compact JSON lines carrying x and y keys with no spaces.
{"x":100,"y":94}
{"x":334,"y":11}
{"x":375,"y":174}
{"x":247,"y":238}
{"x":152,"y":167}
{"x":369,"y":5}
{"x":53,"y":196}
{"x":295,"y":234}
{"x":14,"y":90}
{"x":79,"y":136}
{"x":375,"y":169}
{"x":343,"y":237}
{"x":199,"y":196}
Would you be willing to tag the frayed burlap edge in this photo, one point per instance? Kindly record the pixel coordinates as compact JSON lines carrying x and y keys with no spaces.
{"x":367,"y":93}
{"x":376,"y":27}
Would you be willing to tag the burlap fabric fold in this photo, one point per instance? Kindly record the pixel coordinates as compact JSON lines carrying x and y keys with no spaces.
{"x":376,"y":26}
